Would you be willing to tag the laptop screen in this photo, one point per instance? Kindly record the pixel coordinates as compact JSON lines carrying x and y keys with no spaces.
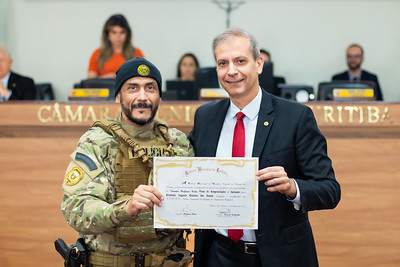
{"x":186,"y":90}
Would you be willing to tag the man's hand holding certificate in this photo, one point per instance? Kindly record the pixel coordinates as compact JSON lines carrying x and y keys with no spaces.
{"x":206,"y":192}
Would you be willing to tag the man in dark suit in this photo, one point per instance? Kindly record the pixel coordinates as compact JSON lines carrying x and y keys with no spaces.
{"x":355,"y":57}
{"x":13,"y":86}
{"x":295,"y":175}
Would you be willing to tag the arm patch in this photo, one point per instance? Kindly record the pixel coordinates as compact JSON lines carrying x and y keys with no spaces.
{"x":86,"y":160}
{"x":88,"y":164}
{"x":73,"y":176}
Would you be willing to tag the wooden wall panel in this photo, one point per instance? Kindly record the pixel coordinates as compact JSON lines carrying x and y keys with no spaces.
{"x":30,"y":197}
{"x":364,"y":229}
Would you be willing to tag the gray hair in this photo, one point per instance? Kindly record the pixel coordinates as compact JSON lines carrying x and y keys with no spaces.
{"x":254,"y":46}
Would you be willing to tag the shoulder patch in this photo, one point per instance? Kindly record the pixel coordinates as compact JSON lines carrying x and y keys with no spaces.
{"x":86,"y":160}
{"x":74,"y":176}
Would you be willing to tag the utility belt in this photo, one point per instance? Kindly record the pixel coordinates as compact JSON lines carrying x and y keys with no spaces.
{"x":78,"y":255}
{"x":173,"y":257}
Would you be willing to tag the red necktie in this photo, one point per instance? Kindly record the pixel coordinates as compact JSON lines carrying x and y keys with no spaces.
{"x":237,"y":151}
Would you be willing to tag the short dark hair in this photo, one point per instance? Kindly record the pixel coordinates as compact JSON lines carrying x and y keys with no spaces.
{"x":356,"y":45}
{"x":262,"y":50}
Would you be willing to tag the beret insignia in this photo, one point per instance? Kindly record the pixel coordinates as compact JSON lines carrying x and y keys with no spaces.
{"x":143,"y":70}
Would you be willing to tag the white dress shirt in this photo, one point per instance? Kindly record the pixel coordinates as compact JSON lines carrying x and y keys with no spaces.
{"x":4,"y":81}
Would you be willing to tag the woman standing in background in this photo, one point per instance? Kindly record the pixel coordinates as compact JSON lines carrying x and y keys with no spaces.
{"x":116,"y":48}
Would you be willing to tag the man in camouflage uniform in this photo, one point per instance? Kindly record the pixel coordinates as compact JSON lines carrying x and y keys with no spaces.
{"x":108,"y":192}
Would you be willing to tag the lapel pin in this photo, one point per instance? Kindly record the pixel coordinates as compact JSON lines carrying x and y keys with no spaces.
{"x":266,"y":123}
{"x":14,"y":85}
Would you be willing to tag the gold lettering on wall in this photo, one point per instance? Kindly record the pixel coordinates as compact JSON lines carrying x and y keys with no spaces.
{"x":339,"y":109}
{"x":48,"y":114}
{"x":175,"y":113}
{"x":373,"y":114}
{"x":104,"y":111}
{"x":178,"y":113}
{"x":40,"y":113}
{"x":70,"y":116}
{"x":188,"y":116}
{"x":328,"y":114}
{"x":361,"y":115}
{"x":386,"y":115}
{"x":57,"y":113}
{"x":90,"y":114}
{"x":351,"y":110}
{"x":184,"y":114}
{"x":348,"y":114}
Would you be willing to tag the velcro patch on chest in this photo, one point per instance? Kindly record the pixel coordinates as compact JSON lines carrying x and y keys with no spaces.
{"x":151,"y":151}
{"x":74,"y":176}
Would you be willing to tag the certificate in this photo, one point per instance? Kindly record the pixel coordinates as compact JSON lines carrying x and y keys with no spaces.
{"x":206,"y":192}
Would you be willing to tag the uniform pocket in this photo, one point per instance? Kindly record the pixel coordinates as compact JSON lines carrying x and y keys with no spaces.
{"x":178,"y":258}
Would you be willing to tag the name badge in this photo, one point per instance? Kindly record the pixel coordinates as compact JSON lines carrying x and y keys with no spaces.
{"x":151,"y":151}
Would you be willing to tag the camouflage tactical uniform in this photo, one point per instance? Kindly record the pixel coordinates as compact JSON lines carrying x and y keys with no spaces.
{"x":89,"y":204}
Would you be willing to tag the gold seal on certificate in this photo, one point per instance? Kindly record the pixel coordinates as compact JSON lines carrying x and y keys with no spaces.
{"x":206,"y":192}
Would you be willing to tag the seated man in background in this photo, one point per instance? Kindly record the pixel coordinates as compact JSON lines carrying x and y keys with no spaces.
{"x":13,"y":86}
{"x":355,"y":57}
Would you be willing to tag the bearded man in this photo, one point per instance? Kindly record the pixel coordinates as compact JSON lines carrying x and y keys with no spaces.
{"x":108,"y":187}
{"x":355,"y":57}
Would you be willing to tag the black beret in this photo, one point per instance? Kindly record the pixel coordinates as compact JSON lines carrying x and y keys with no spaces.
{"x":137,"y":67}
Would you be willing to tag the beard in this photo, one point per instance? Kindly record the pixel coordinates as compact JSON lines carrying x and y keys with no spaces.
{"x":128,"y":112}
{"x":354,"y":66}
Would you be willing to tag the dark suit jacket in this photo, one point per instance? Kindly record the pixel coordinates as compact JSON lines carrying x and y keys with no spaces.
{"x":23,"y":88}
{"x":365,"y":76}
{"x":292,"y":140}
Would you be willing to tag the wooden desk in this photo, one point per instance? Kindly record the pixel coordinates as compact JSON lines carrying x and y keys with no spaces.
{"x":363,"y":142}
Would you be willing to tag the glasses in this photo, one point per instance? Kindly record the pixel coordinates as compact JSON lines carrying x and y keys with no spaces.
{"x":354,"y":56}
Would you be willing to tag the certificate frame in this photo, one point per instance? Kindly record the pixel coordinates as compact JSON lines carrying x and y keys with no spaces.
{"x":206,"y":193}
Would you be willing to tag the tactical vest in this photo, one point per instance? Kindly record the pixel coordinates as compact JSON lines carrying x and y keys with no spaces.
{"x":133,"y":167}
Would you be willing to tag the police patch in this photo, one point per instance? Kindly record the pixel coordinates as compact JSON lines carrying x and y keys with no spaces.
{"x":143,"y":70}
{"x":74,"y":176}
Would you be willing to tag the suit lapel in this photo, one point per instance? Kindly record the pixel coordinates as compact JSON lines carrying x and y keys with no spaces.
{"x":11,"y":82}
{"x":362,"y":76}
{"x":264,"y":124}
{"x":214,"y":127}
